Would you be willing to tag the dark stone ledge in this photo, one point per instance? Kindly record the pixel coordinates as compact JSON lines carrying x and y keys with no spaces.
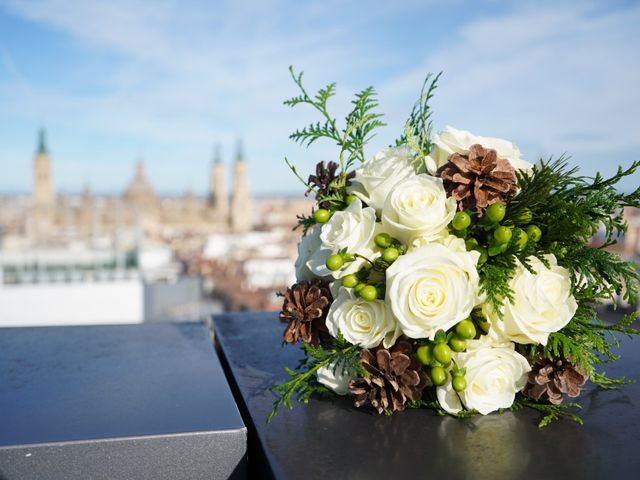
{"x":332,"y":439}
{"x":132,"y":401}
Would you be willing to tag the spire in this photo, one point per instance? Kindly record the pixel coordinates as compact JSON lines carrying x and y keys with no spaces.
{"x":42,"y":144}
{"x":139,"y":169}
{"x":240,"y":150}
{"x":217,"y":156}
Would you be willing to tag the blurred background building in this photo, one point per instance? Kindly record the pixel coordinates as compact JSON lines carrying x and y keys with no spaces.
{"x":140,"y":256}
{"x":143,"y":257}
{"x":93,"y":232}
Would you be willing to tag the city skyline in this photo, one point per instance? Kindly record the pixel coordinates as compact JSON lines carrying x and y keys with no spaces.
{"x":222,"y":210}
{"x":216,"y":158}
{"x":174,"y":78}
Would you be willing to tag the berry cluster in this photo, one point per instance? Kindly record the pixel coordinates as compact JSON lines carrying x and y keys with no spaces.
{"x":489,"y":237}
{"x":437,"y":355}
{"x":368,"y":282}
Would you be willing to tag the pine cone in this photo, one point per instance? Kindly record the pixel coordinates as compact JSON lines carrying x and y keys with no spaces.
{"x":554,"y":378}
{"x":478,"y":179}
{"x":394,"y":376}
{"x":305,"y":309}
{"x":322,"y":181}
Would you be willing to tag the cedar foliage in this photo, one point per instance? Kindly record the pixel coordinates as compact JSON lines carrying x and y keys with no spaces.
{"x":358,"y":130}
{"x":302,"y":382}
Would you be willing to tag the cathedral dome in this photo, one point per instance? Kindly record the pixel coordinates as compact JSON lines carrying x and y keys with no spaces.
{"x":140,"y":192}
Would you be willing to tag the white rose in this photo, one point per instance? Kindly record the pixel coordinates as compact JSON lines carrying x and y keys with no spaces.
{"x":333,"y":377}
{"x":432,"y":288}
{"x":459,"y":141}
{"x":378,"y":175}
{"x":494,"y":375}
{"x":308,"y":246}
{"x":417,"y":207}
{"x":362,"y":322}
{"x":450,"y":241}
{"x":353,"y":229}
{"x":542,"y":303}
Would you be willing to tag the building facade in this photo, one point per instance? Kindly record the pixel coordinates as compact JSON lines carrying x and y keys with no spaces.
{"x":139,"y":209}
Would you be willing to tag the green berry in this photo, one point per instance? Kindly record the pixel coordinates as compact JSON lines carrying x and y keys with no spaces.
{"x":358,"y":288}
{"x":484,"y":256}
{"x":521,"y":238}
{"x":351,"y":198}
{"x":390,"y":254}
{"x":534,"y":233}
{"x":466,"y":329}
{"x":350,"y":281}
{"x":369,"y":293}
{"x":383,"y":240}
{"x":461,"y":221}
{"x":334,"y":262}
{"x":438,"y":376}
{"x":322,"y":215}
{"x":502,"y":235}
{"x":458,"y":344}
{"x":459,"y":383}
{"x":471,"y":244}
{"x":495,"y":212}
{"x":442,"y":353}
{"x":425,"y":354}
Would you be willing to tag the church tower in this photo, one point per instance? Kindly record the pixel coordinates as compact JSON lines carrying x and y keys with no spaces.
{"x":42,"y":182}
{"x":241,"y":212}
{"x":218,"y":197}
{"x":43,"y":199}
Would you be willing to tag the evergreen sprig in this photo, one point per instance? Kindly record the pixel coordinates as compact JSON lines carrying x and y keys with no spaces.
{"x":418,"y":127}
{"x":570,"y":210}
{"x":549,"y":412}
{"x":336,"y":197}
{"x":302,"y":382}
{"x":588,"y":341}
{"x":495,"y":276}
{"x":360,"y":122}
{"x":306,"y":222}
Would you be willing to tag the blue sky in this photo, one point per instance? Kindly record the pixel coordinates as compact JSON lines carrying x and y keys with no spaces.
{"x":166,"y":79}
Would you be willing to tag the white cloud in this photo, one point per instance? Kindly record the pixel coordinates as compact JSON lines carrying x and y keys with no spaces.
{"x":551,"y":78}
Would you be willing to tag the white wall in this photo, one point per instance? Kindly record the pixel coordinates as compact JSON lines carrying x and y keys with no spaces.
{"x":72,"y":303}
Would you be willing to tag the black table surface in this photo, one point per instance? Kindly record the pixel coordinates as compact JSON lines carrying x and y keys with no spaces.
{"x":331,"y":439}
{"x":61,"y":384}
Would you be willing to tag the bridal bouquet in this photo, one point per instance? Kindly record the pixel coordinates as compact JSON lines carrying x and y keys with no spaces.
{"x":447,"y":272}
